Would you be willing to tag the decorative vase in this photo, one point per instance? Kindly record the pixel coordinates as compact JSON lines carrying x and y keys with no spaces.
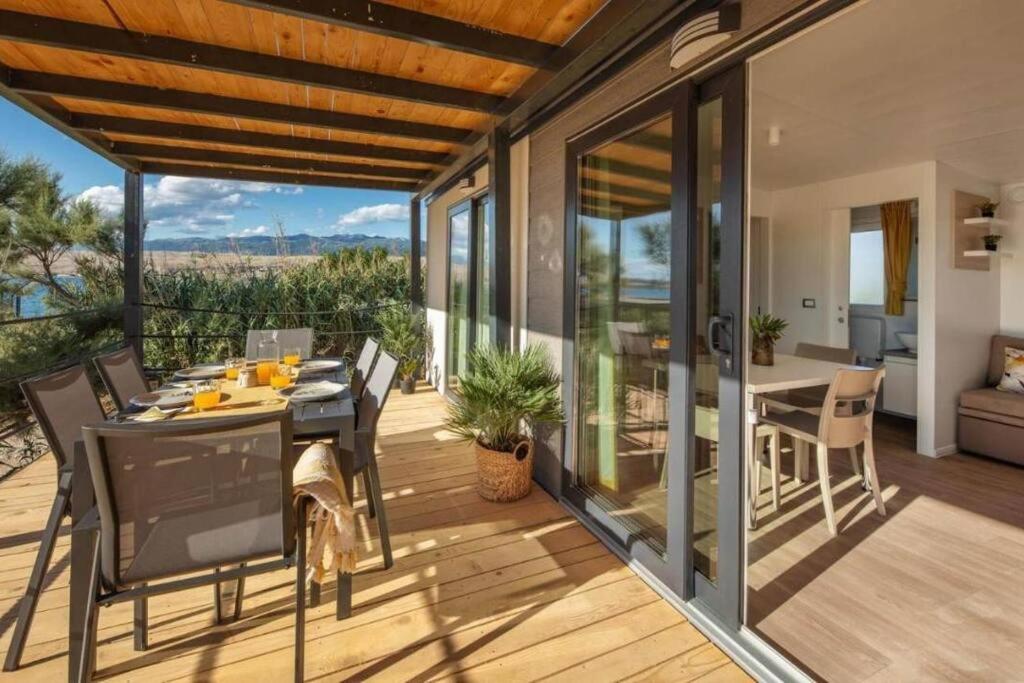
{"x":764,"y":351}
{"x":503,"y":477}
{"x":992,"y":242}
{"x":988,"y":213}
{"x":408,"y":385}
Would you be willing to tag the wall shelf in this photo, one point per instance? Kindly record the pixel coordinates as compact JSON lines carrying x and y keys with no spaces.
{"x":993,"y":222}
{"x":986,"y":252}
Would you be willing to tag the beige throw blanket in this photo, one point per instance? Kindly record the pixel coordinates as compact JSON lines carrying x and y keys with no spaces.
{"x":334,"y":539}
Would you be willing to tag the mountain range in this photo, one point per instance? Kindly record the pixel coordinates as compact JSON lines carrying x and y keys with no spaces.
{"x":267,"y":245}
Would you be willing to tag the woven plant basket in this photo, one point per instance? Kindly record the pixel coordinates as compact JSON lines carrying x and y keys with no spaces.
{"x":503,"y":477}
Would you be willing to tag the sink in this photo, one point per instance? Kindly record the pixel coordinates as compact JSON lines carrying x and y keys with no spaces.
{"x":908,"y":339}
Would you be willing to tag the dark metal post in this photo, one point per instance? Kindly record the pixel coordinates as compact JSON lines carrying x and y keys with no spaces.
{"x":133,"y":260}
{"x":499,"y":206}
{"x":415,"y":245}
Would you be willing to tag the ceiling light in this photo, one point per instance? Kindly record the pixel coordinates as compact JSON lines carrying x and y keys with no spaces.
{"x":702,"y":33}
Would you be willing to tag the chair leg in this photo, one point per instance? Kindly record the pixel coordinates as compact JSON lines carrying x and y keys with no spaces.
{"x":140,"y":625}
{"x":871,"y":472}
{"x":239,"y":594}
{"x":774,"y":458}
{"x":382,"y":518}
{"x":826,"y":489}
{"x":27,"y":608}
{"x":800,"y":473}
{"x":88,"y":653}
{"x":855,"y":461}
{"x":300,"y":600}
{"x":367,"y":487}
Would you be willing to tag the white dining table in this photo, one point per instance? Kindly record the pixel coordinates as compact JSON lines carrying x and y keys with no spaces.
{"x":788,"y":372}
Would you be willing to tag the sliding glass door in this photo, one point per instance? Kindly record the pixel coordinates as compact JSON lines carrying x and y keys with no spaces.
{"x":469,"y":290}
{"x":652,"y":351}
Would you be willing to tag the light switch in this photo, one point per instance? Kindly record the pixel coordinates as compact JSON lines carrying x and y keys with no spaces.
{"x":810,"y":303}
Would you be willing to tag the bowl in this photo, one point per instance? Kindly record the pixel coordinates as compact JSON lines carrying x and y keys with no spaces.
{"x":908,"y":339}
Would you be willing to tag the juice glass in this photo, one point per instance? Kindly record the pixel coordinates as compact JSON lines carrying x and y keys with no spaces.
{"x":264,"y":369}
{"x":206,"y":395}
{"x":281,"y":376}
{"x":292,"y":356}
{"x":232,"y":367}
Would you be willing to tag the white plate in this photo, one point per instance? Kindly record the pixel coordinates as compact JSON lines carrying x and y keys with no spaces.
{"x":312,"y":391}
{"x":163,"y":398}
{"x":310,"y":366}
{"x":209,"y":371}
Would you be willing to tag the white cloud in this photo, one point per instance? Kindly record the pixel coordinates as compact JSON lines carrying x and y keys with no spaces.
{"x":250,"y":232}
{"x":192,"y":205}
{"x":370,"y":215}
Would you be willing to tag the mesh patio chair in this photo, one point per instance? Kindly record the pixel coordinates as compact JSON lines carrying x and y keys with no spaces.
{"x":62,"y":403}
{"x":179,"y":498}
{"x":123,"y":376}
{"x":299,"y":337}
{"x":363,"y":367}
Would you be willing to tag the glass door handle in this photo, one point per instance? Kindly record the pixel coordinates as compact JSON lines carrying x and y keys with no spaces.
{"x":723,"y":325}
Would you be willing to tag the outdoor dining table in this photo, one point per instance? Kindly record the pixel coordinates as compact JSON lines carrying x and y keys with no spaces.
{"x":788,"y":372}
{"x":311,"y":420}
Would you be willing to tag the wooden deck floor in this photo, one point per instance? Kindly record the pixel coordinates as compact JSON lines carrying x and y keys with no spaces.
{"x":480,"y":591}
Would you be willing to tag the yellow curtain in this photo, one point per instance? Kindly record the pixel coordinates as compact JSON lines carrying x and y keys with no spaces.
{"x":898,"y":235}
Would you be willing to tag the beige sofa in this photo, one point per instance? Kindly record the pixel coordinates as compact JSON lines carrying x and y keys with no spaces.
{"x":991,"y":422}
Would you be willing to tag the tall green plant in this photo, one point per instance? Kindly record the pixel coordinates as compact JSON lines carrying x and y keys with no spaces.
{"x":507,"y":390}
{"x":403,"y":335}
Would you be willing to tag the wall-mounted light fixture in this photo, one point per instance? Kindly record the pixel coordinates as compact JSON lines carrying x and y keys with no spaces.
{"x":774,"y":136}
{"x":467,"y":184}
{"x":703,"y":32}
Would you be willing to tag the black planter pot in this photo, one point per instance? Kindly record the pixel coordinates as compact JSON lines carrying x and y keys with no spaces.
{"x":407,"y":385}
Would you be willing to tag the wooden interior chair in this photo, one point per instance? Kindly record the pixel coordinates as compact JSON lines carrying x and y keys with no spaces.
{"x":299,"y":337}
{"x":123,"y":376}
{"x":178,"y":500}
{"x":363,"y":367}
{"x":845,"y":421}
{"x":62,"y":402}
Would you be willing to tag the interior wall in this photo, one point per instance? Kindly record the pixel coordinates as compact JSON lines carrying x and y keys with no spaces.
{"x":1011,"y":209}
{"x":437,"y":276}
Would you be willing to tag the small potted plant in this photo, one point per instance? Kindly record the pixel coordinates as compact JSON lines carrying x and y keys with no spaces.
{"x":988,"y":209}
{"x":765,"y":330}
{"x":991,"y":242}
{"x":403,"y":335}
{"x":498,"y":406}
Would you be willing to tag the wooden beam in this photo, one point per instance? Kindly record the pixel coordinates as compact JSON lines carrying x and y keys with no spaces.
{"x":73,"y":35}
{"x":232,"y":136}
{"x":269,"y":161}
{"x":229,"y":173}
{"x":56,"y":116}
{"x":183,"y":100}
{"x":419,"y":27}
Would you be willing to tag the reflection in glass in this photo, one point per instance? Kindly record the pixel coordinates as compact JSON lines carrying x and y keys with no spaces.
{"x":622,"y":328}
{"x":707,"y":258}
{"x":458,"y":295}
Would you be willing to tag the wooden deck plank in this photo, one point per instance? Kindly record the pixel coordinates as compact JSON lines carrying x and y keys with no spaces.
{"x":479,"y":591}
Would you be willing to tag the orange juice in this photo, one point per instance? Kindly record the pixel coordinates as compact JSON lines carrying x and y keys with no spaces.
{"x":231,"y":372}
{"x":204,"y":400}
{"x":280,"y":381}
{"x":291,"y":359}
{"x":264,"y":369}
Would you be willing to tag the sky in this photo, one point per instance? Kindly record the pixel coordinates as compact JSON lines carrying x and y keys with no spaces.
{"x":201,"y":207}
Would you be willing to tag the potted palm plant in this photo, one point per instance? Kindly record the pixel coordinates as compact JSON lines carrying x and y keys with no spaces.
{"x":498,"y":406}
{"x":765,"y":330}
{"x":403,"y":335}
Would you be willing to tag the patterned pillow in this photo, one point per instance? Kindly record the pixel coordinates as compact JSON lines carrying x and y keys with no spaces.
{"x":1013,"y":371}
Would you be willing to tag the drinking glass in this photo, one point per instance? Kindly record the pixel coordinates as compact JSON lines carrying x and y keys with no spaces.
{"x":292,"y":355}
{"x":206,"y":395}
{"x":232,"y":367}
{"x":281,"y":376}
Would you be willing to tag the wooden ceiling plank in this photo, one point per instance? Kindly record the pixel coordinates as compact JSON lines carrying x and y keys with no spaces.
{"x":174,"y":131}
{"x":418,"y":27}
{"x":261,"y":176}
{"x":179,"y":153}
{"x":183,"y":100}
{"x":93,"y":38}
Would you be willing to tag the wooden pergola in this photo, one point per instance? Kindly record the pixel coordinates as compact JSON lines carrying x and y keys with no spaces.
{"x":399,"y":95}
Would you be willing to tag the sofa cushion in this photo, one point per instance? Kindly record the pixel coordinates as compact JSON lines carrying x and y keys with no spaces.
{"x":997,"y":356}
{"x":1013,"y":374}
{"x":993,"y":401}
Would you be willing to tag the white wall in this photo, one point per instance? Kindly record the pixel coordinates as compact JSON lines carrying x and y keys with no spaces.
{"x":958,"y":309}
{"x":1011,"y":315}
{"x":437,"y":274}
